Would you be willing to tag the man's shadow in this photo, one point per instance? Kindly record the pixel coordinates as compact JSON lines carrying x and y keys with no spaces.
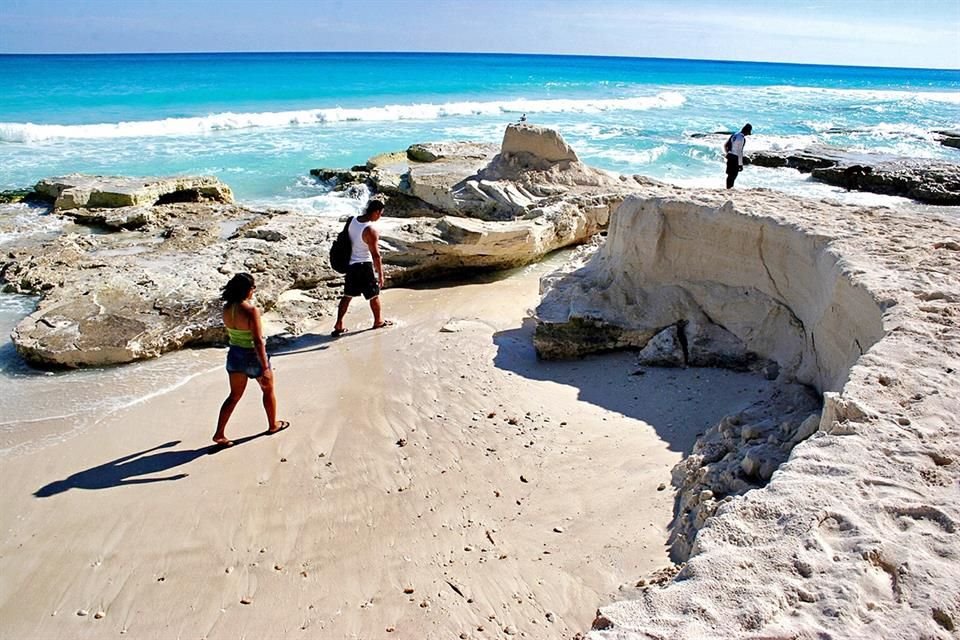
{"x":123,"y":470}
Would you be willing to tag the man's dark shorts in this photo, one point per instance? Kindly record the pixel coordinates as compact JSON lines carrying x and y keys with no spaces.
{"x":733,"y":165}
{"x":361,"y":280}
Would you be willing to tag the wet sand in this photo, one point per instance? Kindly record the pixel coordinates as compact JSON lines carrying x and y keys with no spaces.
{"x":437,"y":482}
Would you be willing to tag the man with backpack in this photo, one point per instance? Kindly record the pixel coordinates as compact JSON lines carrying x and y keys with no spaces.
{"x":364,"y":274}
{"x":734,"y":149}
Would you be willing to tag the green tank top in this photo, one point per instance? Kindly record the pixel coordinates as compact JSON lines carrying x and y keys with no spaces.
{"x":239,"y":337}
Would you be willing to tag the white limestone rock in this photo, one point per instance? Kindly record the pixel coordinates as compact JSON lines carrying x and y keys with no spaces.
{"x":532,"y":168}
{"x":663,"y":350}
{"x":536,"y":145}
{"x":118,"y":297}
{"x":78,"y":191}
{"x":855,"y":533}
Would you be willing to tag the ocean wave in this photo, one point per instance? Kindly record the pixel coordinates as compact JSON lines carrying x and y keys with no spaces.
{"x":634,"y":157}
{"x":17,"y":305}
{"x":757,"y":142}
{"x":878,"y":95}
{"x":21,"y":220}
{"x":29,"y":132}
{"x":897,"y":130}
{"x":330,"y":205}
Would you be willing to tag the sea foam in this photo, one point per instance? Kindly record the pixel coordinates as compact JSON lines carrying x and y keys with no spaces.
{"x":29,"y":132}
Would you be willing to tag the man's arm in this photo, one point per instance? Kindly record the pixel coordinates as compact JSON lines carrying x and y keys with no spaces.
{"x":372,"y":238}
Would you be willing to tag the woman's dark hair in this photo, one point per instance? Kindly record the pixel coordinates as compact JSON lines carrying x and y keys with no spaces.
{"x":237,"y":289}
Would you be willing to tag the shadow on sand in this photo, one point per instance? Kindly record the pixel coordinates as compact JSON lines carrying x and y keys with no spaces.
{"x":314,"y":342}
{"x":124,"y":470}
{"x":301,"y":344}
{"x":680,"y":404}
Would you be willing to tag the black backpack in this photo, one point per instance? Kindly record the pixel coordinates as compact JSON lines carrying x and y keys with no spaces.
{"x":341,"y":249}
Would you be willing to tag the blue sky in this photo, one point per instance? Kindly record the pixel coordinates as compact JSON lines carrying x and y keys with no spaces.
{"x":901,"y":33}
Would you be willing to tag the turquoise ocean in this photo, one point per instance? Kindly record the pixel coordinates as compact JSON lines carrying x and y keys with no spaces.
{"x":261,"y":121}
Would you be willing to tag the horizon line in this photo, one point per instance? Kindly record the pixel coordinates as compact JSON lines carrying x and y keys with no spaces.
{"x":475,"y":53}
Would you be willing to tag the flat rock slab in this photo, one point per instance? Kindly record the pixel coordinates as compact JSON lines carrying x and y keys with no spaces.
{"x":77,"y":191}
{"x":434,"y":151}
{"x":922,"y":179}
{"x":949,"y":138}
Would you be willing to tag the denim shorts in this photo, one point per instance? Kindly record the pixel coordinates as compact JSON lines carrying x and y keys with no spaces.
{"x":244,"y":360}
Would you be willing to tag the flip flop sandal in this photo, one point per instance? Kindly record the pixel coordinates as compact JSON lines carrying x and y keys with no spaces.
{"x":283,"y":424}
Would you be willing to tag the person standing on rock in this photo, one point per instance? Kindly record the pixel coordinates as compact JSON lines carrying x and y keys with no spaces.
{"x":365,"y":273}
{"x":247,"y":356}
{"x":734,"y":149}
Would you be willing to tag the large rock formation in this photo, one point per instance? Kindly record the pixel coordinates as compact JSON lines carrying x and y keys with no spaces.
{"x":722,"y":275}
{"x":534,"y":169}
{"x":922,"y":179}
{"x":426,"y":247}
{"x":110,"y":298}
{"x":855,"y":535}
{"x":474,"y":208}
{"x":536,"y":146}
{"x":117,"y":297}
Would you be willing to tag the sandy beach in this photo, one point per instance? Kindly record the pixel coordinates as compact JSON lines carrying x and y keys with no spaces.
{"x":645,"y":379}
{"x":437,"y":482}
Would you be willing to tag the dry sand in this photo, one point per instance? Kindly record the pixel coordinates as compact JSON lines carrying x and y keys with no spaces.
{"x":434,"y":484}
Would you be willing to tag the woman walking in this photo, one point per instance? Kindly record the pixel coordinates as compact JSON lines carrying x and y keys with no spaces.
{"x":247,"y":356}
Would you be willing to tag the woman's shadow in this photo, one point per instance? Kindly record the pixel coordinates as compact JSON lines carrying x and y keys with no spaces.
{"x":123,"y":470}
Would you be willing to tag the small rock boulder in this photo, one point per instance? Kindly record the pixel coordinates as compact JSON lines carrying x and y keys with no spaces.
{"x":536,"y":143}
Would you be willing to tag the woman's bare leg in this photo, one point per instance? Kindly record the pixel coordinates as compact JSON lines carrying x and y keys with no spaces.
{"x":238,"y":383}
{"x":269,"y":401}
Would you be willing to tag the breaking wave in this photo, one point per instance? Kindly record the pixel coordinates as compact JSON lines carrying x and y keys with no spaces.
{"x":878,"y":95}
{"x":29,"y":132}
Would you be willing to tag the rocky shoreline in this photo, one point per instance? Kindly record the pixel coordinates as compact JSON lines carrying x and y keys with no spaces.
{"x":146,"y":282}
{"x":924,"y":180}
{"x":793,"y":518}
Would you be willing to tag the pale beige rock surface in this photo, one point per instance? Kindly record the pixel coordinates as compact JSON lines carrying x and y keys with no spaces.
{"x":152,"y":285}
{"x":125,"y":296}
{"x":76,"y":191}
{"x":855,"y":536}
{"x":539,"y":142}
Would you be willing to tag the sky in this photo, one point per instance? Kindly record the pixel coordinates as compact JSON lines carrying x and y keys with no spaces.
{"x":886,"y":33}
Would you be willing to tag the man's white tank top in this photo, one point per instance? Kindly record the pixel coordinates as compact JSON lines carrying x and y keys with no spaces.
{"x":360,"y":252}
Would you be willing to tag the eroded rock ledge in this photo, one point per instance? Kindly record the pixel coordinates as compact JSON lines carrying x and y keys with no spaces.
{"x":856,"y":534}
{"x":78,"y":191}
{"x":150,"y":285}
{"x":922,"y":179}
